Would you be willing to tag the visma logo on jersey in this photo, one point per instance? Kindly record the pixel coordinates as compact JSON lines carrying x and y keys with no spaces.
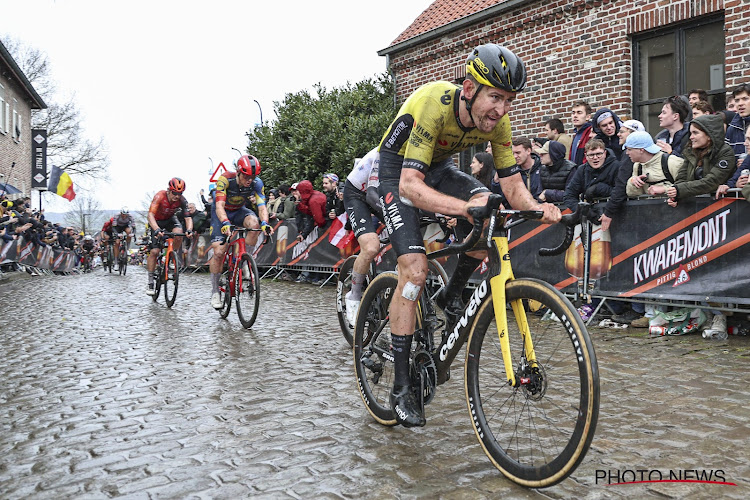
{"x":471,"y":309}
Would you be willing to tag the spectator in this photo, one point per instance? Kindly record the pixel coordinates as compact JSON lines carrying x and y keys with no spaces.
{"x":583,"y":131}
{"x":271,"y":199}
{"x":737,"y":180}
{"x":555,"y":172}
{"x":735,"y":134}
{"x":697,"y":95}
{"x":709,"y":161}
{"x":702,"y":108}
{"x":592,"y":180}
{"x":730,"y":104}
{"x":653,"y":170}
{"x":554,"y":130}
{"x":285,"y":207}
{"x":529,"y":163}
{"x":483,"y":168}
{"x":334,"y":203}
{"x":312,"y":211}
{"x":606,"y":125}
{"x":673,"y":118}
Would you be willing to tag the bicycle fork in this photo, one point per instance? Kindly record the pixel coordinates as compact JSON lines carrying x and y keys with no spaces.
{"x":497,"y":288}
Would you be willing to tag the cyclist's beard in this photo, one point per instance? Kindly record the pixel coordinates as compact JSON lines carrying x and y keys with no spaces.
{"x":484,"y":124}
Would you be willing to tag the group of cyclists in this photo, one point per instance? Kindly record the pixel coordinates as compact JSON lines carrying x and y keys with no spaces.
{"x":411,"y":169}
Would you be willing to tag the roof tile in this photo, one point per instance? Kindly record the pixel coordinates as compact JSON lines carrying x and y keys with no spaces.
{"x":442,"y":12}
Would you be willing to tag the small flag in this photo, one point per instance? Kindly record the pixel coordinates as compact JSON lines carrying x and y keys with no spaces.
{"x":338,"y":235}
{"x":61,"y":184}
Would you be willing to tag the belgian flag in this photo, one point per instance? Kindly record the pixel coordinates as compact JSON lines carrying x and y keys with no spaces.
{"x":61,"y":184}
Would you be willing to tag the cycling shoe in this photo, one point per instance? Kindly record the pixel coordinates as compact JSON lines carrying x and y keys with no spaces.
{"x":406,"y":407}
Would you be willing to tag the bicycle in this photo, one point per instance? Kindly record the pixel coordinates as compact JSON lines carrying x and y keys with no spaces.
{"x":167,"y":273}
{"x":109,"y":255}
{"x":239,"y":278}
{"x":436,"y":277}
{"x":534,"y":414}
{"x":122,"y":257}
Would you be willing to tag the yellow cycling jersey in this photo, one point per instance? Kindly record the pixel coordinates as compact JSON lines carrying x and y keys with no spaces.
{"x":426,"y":130}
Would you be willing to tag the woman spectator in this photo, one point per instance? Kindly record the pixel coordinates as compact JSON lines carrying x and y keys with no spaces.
{"x":483,"y":168}
{"x":709,"y":161}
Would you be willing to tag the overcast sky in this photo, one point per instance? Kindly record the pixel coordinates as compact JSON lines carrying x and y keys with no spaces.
{"x":169,"y":84}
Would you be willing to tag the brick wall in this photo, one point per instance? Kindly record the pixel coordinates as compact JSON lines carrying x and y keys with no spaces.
{"x":10,"y":149}
{"x":573,"y":50}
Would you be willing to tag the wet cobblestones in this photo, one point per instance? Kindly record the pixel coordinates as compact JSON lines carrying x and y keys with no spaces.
{"x":105,"y":394}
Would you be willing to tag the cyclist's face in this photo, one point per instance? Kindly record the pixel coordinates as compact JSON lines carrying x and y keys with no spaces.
{"x":173,"y":196}
{"x":244,"y":180}
{"x":491,"y":105}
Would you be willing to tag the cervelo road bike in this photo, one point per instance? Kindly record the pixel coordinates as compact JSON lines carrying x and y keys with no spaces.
{"x":532,"y":387}
{"x":167,"y":273}
{"x":436,"y":276}
{"x":239,"y":278}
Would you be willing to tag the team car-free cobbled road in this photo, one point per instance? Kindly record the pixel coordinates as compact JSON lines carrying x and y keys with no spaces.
{"x":104,"y":394}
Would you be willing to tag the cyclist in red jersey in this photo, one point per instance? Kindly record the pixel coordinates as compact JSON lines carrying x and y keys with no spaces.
{"x":161,"y":217}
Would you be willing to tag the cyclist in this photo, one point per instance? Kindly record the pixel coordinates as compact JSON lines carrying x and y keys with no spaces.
{"x":88,"y":248}
{"x":234,"y":191}
{"x":362,"y":202}
{"x":417,"y":171}
{"x":161,"y":217}
{"x":124,"y":223}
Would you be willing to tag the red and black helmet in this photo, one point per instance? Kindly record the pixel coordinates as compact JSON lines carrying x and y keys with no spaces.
{"x":248,"y":165}
{"x":177,"y":185}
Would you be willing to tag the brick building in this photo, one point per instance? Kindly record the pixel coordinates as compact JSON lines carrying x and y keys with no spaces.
{"x":628,"y":55}
{"x":17,"y":99}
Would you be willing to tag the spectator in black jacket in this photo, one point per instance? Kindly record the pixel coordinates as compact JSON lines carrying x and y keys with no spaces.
{"x":594,"y":179}
{"x":606,"y":125}
{"x":674,"y":118}
{"x":556,"y":171}
{"x":618,"y":196}
{"x":334,"y":200}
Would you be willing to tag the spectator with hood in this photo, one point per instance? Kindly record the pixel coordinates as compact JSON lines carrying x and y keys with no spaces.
{"x":556,"y":171}
{"x":606,"y":125}
{"x":312,"y":203}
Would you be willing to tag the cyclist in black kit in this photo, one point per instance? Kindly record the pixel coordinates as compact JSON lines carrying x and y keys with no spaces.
{"x":417,"y":172}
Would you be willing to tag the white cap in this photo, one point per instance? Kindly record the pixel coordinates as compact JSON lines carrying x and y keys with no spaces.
{"x":294,"y":186}
{"x":634,"y":125}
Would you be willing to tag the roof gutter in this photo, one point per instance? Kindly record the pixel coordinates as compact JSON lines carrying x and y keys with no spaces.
{"x":469,"y":20}
{"x":37,"y":102}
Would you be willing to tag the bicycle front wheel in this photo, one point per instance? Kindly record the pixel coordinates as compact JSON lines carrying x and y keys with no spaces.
{"x":247,"y":291}
{"x":373,"y":359}
{"x":538,"y":432}
{"x":171,"y":281}
{"x":110,"y":258}
{"x":225,"y":292}
{"x":158,"y":272}
{"x":123,"y":264}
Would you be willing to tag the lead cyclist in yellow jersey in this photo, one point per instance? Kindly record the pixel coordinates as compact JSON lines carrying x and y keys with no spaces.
{"x":416,"y":172}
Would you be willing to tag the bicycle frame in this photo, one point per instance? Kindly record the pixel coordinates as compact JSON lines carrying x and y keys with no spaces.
{"x":167,"y":250}
{"x":501,"y":272}
{"x":236,"y":247}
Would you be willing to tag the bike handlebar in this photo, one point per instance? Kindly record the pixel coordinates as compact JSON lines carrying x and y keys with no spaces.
{"x":569,"y":221}
{"x":242,"y":230}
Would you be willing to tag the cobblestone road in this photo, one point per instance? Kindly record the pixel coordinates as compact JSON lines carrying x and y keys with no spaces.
{"x":104,"y":394}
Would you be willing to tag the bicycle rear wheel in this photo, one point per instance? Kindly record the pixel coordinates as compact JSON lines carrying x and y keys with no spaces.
{"x":373,"y":359}
{"x":171,"y":281}
{"x":247,"y":291}
{"x":537,"y":433}
{"x":225,"y":292}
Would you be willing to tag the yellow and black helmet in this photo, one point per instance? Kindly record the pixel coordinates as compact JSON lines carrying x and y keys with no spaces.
{"x":495,"y":66}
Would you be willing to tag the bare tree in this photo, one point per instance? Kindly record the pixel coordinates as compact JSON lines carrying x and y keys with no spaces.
{"x":85,"y":214}
{"x":67,"y":147}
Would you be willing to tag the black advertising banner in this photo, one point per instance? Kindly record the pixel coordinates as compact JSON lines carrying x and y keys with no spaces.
{"x":39,"y":159}
{"x":697,"y":251}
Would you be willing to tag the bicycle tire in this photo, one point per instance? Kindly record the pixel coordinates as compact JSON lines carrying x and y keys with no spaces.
{"x":110,"y":258}
{"x":373,"y":363}
{"x":172,"y":280}
{"x":536,"y":436}
{"x":225,"y":292}
{"x":123,"y":263}
{"x":343,"y":285}
{"x":247,"y":290}
{"x":158,"y":271}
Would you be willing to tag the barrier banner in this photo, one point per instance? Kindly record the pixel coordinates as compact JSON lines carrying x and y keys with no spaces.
{"x":697,"y":251}
{"x":35,"y":255}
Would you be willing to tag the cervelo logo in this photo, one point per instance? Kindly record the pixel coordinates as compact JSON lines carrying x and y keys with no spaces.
{"x":471,"y":309}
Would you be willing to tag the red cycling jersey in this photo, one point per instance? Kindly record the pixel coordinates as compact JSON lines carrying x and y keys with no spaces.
{"x":163,"y":209}
{"x":107,"y":227}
